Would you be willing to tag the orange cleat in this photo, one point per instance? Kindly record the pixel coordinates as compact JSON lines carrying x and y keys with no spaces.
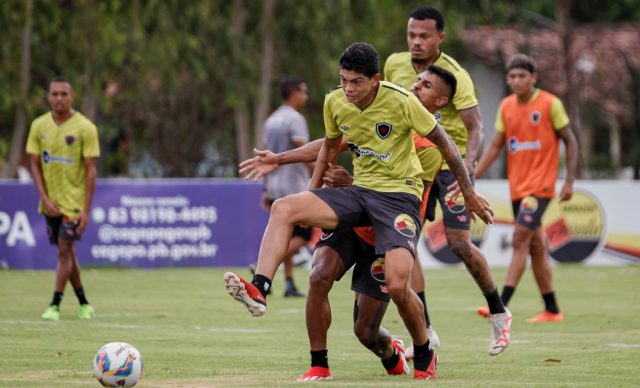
{"x":402,"y":368}
{"x":483,"y":311}
{"x":546,"y":316}
{"x":430,"y":373}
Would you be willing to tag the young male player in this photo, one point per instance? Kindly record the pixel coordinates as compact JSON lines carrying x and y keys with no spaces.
{"x":461,"y":120}
{"x":378,"y":119}
{"x":530,"y":122}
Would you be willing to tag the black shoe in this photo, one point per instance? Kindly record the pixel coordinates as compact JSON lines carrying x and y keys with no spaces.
{"x":293,"y":292}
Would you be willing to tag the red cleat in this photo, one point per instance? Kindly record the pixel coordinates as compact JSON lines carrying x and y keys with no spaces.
{"x":402,"y":368}
{"x":483,"y":311}
{"x":430,"y":373}
{"x":245,"y":293}
{"x":546,"y":316}
{"x":316,"y":373}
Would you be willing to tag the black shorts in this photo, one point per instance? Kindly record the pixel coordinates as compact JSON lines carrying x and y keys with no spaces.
{"x":395,"y":217}
{"x":61,"y":228}
{"x":528,"y":211}
{"x":454,"y":213}
{"x":368,"y":271}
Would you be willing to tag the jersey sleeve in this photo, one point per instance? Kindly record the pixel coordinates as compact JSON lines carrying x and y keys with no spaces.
{"x":420,"y":119}
{"x":465,"y":96}
{"x":559,"y":116}
{"x":386,"y":71}
{"x":33,"y":141}
{"x":298,"y":129}
{"x":331,"y":128}
{"x":499,"y":123}
{"x":90,"y":143}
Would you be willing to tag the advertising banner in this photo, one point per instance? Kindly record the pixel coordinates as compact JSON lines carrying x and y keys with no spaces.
{"x":142,"y":223}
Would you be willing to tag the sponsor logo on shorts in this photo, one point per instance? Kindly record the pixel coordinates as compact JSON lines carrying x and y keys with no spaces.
{"x":325,"y":236}
{"x":384,"y":289}
{"x":383,"y":129}
{"x":516,"y":145}
{"x":377,"y":269}
{"x":535,"y":117}
{"x":404,"y":225}
{"x":454,"y":205}
{"x":364,"y":152}
{"x":529,"y":205}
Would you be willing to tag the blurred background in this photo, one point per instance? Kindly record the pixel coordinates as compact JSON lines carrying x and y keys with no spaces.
{"x":181,"y":88}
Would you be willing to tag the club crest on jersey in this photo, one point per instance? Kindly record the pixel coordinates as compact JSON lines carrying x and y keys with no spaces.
{"x":70,"y":139}
{"x":404,"y":225}
{"x":535,"y":117}
{"x":383,"y":130}
{"x":377,"y":269}
{"x":344,"y":127}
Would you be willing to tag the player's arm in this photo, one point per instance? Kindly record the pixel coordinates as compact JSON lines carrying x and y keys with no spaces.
{"x":474,"y":202}
{"x":491,"y":154}
{"x":90,"y":189}
{"x":571,"y":145}
{"x":51,"y":208}
{"x":328,"y":154}
{"x":472,"y":121}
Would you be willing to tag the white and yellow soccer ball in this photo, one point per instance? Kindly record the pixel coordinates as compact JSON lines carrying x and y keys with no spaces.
{"x":118,"y":364}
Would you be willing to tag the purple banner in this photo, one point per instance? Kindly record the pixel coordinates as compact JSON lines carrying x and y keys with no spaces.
{"x":142,"y":223}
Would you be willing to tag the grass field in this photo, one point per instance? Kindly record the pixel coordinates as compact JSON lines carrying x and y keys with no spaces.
{"x":191,"y":334}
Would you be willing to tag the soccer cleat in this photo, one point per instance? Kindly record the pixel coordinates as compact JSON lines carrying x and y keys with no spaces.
{"x":52,"y":313}
{"x":402,"y":368}
{"x":245,"y":293}
{"x":546,"y":316}
{"x":483,"y":311}
{"x":316,"y":373}
{"x":434,"y":342}
{"x":500,"y":332}
{"x":293,"y":292}
{"x":86,"y":311}
{"x":430,"y":373}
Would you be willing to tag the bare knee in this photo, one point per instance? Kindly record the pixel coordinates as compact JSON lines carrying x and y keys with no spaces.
{"x":399,"y":292}
{"x":282,"y":209}
{"x":521,"y":239}
{"x":65,"y":250}
{"x":364,"y":332}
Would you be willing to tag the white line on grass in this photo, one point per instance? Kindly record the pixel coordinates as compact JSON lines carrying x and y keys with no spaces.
{"x":624,"y":346}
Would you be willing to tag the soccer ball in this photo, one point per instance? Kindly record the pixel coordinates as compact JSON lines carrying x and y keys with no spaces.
{"x":118,"y":364}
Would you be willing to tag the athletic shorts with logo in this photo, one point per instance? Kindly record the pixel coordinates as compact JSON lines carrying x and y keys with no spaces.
{"x":528,"y":211}
{"x":61,"y":228}
{"x":368,"y":271}
{"x":454,"y":213}
{"x":395,"y":217}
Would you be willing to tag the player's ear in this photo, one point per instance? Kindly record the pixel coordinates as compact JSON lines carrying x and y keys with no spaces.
{"x":442,"y":101}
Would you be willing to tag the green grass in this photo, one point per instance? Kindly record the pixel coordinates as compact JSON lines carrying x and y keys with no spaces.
{"x":190,"y":333}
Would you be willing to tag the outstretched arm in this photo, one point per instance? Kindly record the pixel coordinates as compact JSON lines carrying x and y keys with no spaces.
{"x":474,"y":202}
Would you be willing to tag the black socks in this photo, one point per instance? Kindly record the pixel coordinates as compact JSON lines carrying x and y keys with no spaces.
{"x":550,"y":302}
{"x":507,"y":293}
{"x":320,"y":358}
{"x":81,"y":297}
{"x":57,"y":298}
{"x":262,"y":283}
{"x":496,"y":305}
{"x":422,"y":356}
{"x":422,"y":297}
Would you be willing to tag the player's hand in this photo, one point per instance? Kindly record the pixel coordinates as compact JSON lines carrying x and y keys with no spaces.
{"x":262,"y":164}
{"x":83,"y":222}
{"x":51,"y":208}
{"x":337,"y":176}
{"x":567,"y":191}
{"x":478,"y":205}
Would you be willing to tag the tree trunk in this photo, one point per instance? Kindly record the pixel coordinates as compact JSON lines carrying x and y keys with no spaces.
{"x":20,"y":123}
{"x":565,"y":30}
{"x":241,"y":113}
{"x":266,"y":69}
{"x":634,"y":139}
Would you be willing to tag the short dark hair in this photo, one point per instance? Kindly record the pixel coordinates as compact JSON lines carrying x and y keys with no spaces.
{"x":361,"y":58}
{"x":59,"y":78}
{"x":290,"y":84}
{"x":447,"y":77}
{"x":424,"y":13}
{"x":521,"y":61}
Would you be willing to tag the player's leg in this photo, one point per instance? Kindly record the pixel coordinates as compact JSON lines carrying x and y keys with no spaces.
{"x":85,"y":311}
{"x":295,"y":244}
{"x":543,"y":274}
{"x":303,"y":208}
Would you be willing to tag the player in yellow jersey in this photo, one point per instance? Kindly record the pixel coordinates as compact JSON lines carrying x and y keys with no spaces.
{"x":378,"y":119}
{"x":64,"y":147}
{"x":337,"y":252}
{"x":461,"y":120}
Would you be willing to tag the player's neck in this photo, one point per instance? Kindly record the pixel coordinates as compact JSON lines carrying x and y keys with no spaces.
{"x":420,"y":65}
{"x":61,"y":117}
{"x":368,"y":100}
{"x":525,"y":97}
